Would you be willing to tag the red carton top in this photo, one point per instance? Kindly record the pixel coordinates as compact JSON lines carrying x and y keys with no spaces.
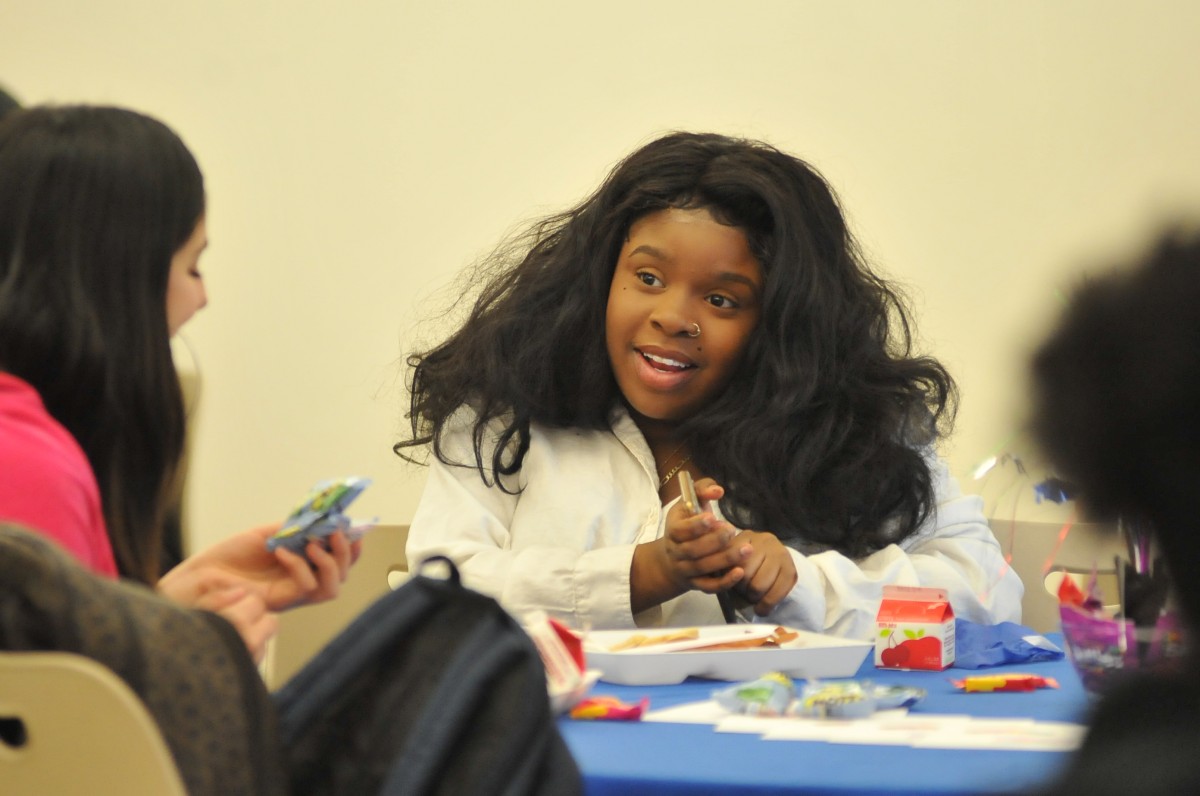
{"x":914,"y":604}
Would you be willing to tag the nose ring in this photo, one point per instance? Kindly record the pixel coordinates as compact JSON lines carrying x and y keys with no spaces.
{"x":695,"y":330}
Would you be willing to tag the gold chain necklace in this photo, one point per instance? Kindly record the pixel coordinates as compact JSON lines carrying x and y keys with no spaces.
{"x":675,"y":469}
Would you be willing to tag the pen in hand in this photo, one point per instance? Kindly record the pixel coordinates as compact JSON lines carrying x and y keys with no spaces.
{"x":691,"y":504}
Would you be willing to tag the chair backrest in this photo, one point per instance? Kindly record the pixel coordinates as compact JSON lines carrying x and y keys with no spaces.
{"x":1106,"y":582}
{"x":304,"y":632}
{"x":1085,"y":547}
{"x":75,"y":728}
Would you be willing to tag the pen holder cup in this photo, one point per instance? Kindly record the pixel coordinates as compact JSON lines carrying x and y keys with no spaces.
{"x":1104,"y":649}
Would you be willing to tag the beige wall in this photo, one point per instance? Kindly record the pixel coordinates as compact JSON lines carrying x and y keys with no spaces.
{"x":358,"y":154}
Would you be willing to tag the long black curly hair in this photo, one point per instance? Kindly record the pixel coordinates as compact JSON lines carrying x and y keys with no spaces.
{"x":820,"y":437}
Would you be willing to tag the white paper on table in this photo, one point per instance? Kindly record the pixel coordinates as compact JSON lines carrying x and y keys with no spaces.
{"x":887,"y":728}
{"x":931,"y":731}
{"x":755,"y":725}
{"x":706,"y":712}
{"x":1034,"y":736}
{"x":823,"y":730}
{"x":913,"y":732}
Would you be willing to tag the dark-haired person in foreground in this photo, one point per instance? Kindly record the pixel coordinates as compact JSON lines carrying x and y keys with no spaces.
{"x":1117,"y":410}
{"x":8,"y":103}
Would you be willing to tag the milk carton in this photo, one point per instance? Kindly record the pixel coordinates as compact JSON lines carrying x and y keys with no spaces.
{"x":915,"y":629}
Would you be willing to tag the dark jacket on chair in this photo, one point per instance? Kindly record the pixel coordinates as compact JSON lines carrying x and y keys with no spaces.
{"x":190,"y":668}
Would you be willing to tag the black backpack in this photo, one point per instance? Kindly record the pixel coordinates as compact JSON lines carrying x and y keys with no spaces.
{"x":433,"y":689}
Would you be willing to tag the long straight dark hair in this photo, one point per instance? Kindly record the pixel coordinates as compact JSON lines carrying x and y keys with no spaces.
{"x":94,"y":201}
{"x":821,"y":435}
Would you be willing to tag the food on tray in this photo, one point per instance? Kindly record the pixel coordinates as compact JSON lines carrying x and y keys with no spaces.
{"x":638,"y":640}
{"x":778,"y":637}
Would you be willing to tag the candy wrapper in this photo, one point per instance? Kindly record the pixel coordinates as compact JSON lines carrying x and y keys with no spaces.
{"x":1069,"y":593}
{"x":608,"y":708}
{"x":987,"y":683}
{"x":851,"y":699}
{"x":775,"y":695}
{"x":561,"y":650}
{"x":770,"y":695}
{"x":322,"y":514}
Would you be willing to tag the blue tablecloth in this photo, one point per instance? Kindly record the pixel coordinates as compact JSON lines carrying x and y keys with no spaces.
{"x":664,"y":759}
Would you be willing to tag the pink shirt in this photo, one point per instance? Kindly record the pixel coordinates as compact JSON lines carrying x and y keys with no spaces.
{"x":46,"y":483}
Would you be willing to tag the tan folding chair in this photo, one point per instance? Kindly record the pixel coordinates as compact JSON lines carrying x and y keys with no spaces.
{"x":1106,"y":581}
{"x":1087,"y":546}
{"x":75,"y":728}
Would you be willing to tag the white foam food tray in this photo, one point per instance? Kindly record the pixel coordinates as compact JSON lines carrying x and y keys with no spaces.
{"x":809,"y":655}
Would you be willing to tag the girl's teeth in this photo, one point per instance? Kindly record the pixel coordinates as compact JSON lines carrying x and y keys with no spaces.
{"x":664,"y":361}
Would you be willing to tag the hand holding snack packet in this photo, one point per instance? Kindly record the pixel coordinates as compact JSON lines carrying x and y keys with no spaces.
{"x":276,"y":562}
{"x":322,"y":514}
{"x":280,"y":578}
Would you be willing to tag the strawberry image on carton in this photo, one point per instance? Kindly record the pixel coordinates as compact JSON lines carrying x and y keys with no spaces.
{"x":915,"y":629}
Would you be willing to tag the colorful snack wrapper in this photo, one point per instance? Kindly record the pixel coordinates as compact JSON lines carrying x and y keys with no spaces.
{"x":986,"y":683}
{"x":561,"y":650}
{"x":775,"y":695}
{"x":321,"y":514}
{"x":770,"y":695}
{"x":607,"y":708}
{"x":841,"y":700}
{"x":1069,"y":592}
{"x":890,"y":697}
{"x":850,"y":699}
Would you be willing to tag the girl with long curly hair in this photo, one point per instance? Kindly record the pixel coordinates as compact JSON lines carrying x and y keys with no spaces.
{"x":707,"y":310}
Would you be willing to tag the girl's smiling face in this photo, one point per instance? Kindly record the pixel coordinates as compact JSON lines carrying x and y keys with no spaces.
{"x":678,"y":268}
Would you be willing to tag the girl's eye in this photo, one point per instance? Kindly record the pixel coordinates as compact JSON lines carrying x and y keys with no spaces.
{"x":647,"y":278}
{"x":722,"y":302}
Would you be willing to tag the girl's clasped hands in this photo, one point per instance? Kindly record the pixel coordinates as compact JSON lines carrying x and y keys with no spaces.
{"x":705,"y":553}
